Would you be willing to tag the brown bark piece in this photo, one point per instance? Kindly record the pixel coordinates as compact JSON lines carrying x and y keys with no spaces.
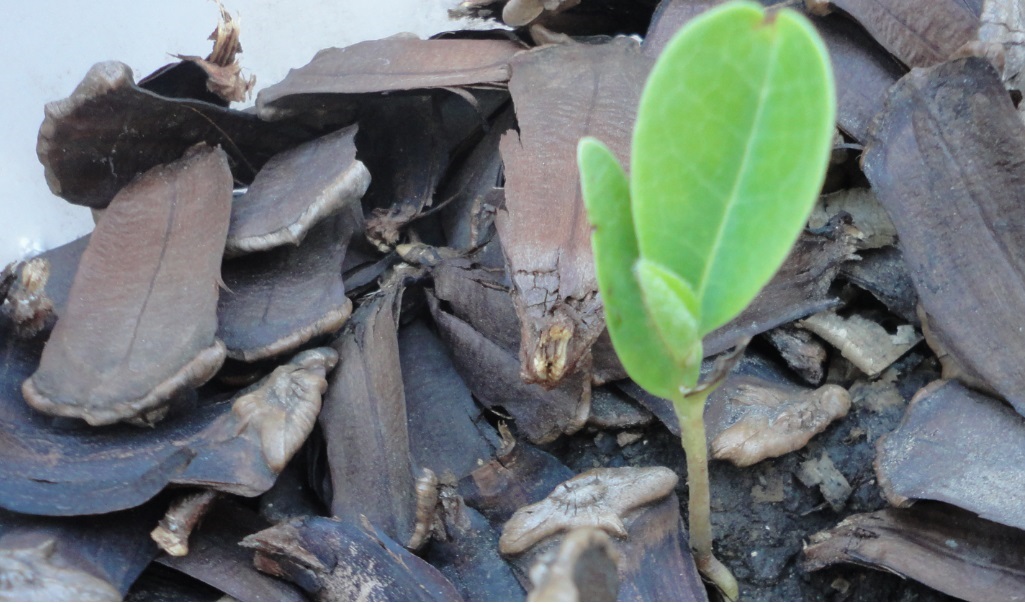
{"x":948,"y":549}
{"x":920,"y":35}
{"x":280,"y":299}
{"x":365,"y":420}
{"x":584,"y":569}
{"x":802,"y":351}
{"x":217,"y":559}
{"x":295,"y":190}
{"x":866,"y":213}
{"x":185,"y":512}
{"x":862,"y":341}
{"x":863,"y":70}
{"x":390,"y":65}
{"x":57,"y":469}
{"x":141,"y":317}
{"x":595,"y":90}
{"x":799,"y":289}
{"x":109,"y":131}
{"x":669,"y":17}
{"x":339,"y":560}
{"x":1002,"y":33}
{"x":945,"y":158}
{"x":960,"y":447}
{"x":94,"y":558}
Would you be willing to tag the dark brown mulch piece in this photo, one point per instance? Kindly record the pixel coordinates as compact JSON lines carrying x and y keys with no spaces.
{"x":295,"y":190}
{"x":944,"y":547}
{"x":493,"y":374}
{"x":365,"y":423}
{"x":960,"y":447}
{"x":919,"y":34}
{"x":596,"y":89}
{"x":466,"y":551}
{"x":635,"y":505}
{"x":582,"y":570}
{"x":278,"y":300}
{"x":669,"y":17}
{"x":884,"y":274}
{"x":518,"y":476}
{"x":183,"y":515}
{"x":64,"y":468}
{"x":88,"y":158}
{"x":943,"y":159}
{"x":805,"y":354}
{"x":141,"y":317}
{"x":864,"y":71}
{"x":216,"y":558}
{"x":800,"y":288}
{"x":397,"y":64}
{"x":93,"y":558}
{"x":447,"y":430}
{"x":374,"y":567}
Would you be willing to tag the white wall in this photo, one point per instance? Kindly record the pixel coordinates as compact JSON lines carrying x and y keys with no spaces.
{"x":48,"y":45}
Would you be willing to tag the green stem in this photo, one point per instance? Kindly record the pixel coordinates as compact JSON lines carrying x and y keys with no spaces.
{"x":690,"y":410}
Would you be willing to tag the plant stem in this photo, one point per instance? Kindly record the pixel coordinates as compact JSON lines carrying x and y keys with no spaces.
{"x":690,"y":410}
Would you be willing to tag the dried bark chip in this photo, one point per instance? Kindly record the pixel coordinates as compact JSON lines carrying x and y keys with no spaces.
{"x":466,"y":552}
{"x":295,"y":190}
{"x":862,"y":341}
{"x":802,"y":351}
{"x":60,"y":469}
{"x":584,"y":569}
{"x":364,"y":420}
{"x":927,"y":456}
{"x":217,"y":559}
{"x":374,"y":567}
{"x":867,"y":214}
{"x":884,"y":274}
{"x":919,"y":35}
{"x":948,"y":549}
{"x":389,"y":65}
{"x":62,"y":264}
{"x":612,"y":410}
{"x":944,"y":159}
{"x":109,"y":131}
{"x":281,"y":299}
{"x":822,"y":472}
{"x":599,"y":498}
{"x":447,"y":430}
{"x":25,"y":301}
{"x":636,"y":506}
{"x":141,"y":316}
{"x":519,"y":475}
{"x":864,"y":71}
{"x":185,"y":512}
{"x":751,"y":419}
{"x":799,"y":289}
{"x":95,"y":558}
{"x":493,"y":375}
{"x":1003,"y":29}
{"x":596,"y":89}
{"x":669,"y":17}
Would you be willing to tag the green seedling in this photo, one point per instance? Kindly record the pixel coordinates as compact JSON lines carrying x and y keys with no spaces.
{"x":730,"y":149}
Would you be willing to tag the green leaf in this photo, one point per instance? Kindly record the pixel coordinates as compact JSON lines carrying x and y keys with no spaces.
{"x":672,"y":308}
{"x":729,"y":151}
{"x":606,"y":195}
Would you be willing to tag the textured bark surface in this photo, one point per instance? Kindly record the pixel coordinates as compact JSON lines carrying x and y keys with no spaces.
{"x":947,"y":160}
{"x":152,"y":262}
{"x":561,"y":93}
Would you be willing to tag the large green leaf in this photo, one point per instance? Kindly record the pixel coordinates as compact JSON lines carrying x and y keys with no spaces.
{"x":639,"y":346}
{"x":729,"y":151}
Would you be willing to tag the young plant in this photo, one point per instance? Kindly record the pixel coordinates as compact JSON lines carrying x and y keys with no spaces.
{"x":730,"y":148}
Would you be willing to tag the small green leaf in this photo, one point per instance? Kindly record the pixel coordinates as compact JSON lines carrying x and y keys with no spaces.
{"x":673,"y":309}
{"x":729,"y":151}
{"x":606,"y":195}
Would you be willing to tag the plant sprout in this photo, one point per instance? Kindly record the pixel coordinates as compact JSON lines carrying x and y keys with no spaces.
{"x":730,"y":149}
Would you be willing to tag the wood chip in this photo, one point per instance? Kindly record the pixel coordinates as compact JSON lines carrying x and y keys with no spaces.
{"x":140,"y":321}
{"x":943,"y":160}
{"x":863,"y":342}
{"x":948,"y":549}
{"x":960,"y":447}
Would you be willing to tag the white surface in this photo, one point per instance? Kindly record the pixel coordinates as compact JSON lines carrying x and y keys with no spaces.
{"x":48,"y":46}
